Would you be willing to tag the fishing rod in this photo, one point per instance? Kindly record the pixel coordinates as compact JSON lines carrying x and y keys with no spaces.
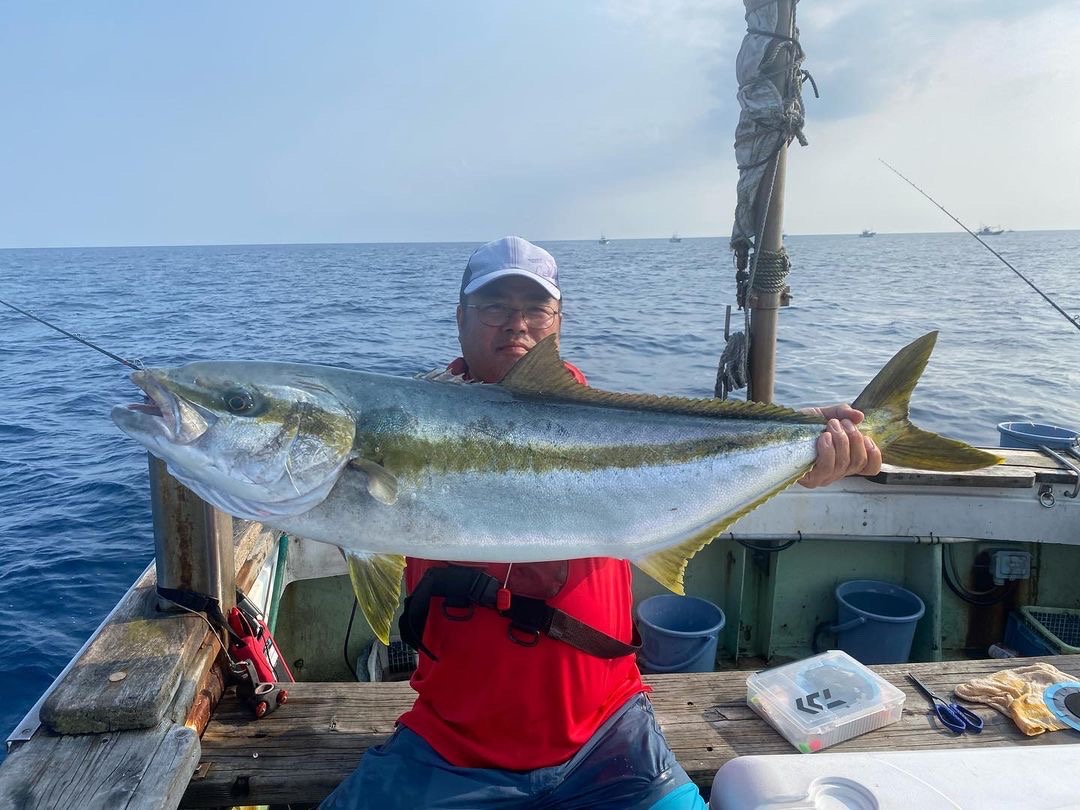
{"x":137,"y":365}
{"x":1073,"y":319}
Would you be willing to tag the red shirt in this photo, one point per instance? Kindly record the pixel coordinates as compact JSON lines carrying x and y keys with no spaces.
{"x":488,"y":702}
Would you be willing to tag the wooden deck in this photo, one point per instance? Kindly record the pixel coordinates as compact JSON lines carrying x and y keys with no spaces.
{"x":302,"y":751}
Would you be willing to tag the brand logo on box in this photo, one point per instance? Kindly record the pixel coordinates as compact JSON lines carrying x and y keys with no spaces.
{"x":811,"y":706}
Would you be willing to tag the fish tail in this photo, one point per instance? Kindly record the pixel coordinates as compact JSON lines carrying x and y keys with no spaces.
{"x":886,"y":401}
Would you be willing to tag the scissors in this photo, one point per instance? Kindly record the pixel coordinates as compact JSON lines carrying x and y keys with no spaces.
{"x":952,"y":715}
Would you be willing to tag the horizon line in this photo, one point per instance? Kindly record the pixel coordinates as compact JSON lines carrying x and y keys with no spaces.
{"x":477,"y":241}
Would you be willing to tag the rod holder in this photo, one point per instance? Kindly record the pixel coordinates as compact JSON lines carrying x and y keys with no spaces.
{"x":193,"y":545}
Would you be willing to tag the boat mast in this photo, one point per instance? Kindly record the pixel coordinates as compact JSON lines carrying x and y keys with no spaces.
{"x":765,"y":304}
{"x":770,"y":86}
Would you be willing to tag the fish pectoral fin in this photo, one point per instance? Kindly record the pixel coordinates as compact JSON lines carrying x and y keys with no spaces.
{"x":382,"y":485}
{"x":376,"y":581}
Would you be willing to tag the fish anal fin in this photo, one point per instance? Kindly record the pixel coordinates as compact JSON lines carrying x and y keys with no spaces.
{"x":668,"y":566}
{"x":376,"y":581}
{"x":382,"y":485}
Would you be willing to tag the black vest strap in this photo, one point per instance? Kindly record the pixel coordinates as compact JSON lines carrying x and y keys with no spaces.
{"x":463,"y":587}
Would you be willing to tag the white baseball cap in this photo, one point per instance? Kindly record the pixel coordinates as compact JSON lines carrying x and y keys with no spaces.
{"x":511,"y":256}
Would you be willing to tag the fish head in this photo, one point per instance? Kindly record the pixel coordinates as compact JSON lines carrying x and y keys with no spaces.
{"x":254,"y":439}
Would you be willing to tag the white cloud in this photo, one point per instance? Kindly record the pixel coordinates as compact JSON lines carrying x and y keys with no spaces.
{"x":991,"y":135}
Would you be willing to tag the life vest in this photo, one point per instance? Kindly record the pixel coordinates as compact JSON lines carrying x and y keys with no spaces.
{"x":464,"y":588}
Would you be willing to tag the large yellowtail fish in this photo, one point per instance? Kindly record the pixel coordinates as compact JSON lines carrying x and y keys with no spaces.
{"x":535,"y":468}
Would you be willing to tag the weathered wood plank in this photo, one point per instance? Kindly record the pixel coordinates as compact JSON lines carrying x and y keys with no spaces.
{"x":1021,"y":469}
{"x":133,"y":770}
{"x":999,"y":476}
{"x":313,"y":742}
{"x":127,"y":677}
{"x":1039,"y":461}
{"x":129,"y":674}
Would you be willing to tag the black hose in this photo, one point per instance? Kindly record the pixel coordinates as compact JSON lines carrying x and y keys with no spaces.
{"x":345,"y":649}
{"x":997,"y":595}
{"x":766,"y":549}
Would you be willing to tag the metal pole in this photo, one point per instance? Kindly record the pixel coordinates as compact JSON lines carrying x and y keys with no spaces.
{"x":764,"y":306}
{"x":193,"y":544}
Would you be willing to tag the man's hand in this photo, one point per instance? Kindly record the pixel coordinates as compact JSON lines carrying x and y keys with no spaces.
{"x":841,"y":449}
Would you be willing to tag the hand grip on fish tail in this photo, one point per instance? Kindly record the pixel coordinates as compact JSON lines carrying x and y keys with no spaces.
{"x":886,"y":402}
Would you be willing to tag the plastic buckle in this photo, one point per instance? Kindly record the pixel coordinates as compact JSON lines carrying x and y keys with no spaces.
{"x":457,"y":610}
{"x":524,"y":642}
{"x":483,"y":589}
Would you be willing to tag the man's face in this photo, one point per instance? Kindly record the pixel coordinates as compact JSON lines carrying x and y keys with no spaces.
{"x":490,"y":351}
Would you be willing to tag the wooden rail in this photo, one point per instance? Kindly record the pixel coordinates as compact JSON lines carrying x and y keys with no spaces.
{"x":304,"y":749}
{"x":114,"y":730}
{"x":1020,"y":469}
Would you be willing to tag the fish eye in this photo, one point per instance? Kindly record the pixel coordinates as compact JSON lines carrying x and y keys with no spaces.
{"x":238,"y":401}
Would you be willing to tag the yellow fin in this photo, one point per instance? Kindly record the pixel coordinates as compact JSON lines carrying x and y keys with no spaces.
{"x":668,"y":565}
{"x":886,"y":401}
{"x":376,"y":581}
{"x":541,"y":373}
{"x":381,"y":483}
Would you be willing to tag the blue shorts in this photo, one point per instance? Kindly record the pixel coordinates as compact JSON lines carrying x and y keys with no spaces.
{"x":625,"y":765}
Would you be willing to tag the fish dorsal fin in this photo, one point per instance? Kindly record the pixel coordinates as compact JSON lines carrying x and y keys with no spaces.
{"x":376,"y":581}
{"x":541,"y":373}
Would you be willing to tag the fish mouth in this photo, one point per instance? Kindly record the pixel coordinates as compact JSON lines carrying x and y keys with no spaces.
{"x":179,"y":421}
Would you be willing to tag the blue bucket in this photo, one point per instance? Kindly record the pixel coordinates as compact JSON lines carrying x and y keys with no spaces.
{"x":678,"y":633}
{"x":876,"y":621}
{"x":1028,"y":436}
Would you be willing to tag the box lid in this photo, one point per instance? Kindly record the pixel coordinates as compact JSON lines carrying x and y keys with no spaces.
{"x":822,"y":693}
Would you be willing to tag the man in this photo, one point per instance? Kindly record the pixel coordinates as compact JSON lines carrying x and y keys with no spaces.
{"x":510,"y":718}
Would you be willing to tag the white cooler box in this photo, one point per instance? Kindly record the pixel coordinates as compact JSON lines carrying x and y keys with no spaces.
{"x":1014,"y":778}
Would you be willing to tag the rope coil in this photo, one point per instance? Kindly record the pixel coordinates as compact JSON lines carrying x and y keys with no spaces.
{"x":771,"y":270}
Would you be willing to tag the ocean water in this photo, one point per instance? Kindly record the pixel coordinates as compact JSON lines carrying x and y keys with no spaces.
{"x":641,"y":315}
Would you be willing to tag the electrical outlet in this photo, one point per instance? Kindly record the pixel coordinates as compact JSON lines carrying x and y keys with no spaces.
{"x":1008,"y":565}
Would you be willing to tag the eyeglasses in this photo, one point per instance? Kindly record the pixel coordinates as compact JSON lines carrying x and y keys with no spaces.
{"x":536,"y":316}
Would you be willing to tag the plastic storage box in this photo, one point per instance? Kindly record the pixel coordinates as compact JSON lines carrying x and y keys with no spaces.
{"x":1059,"y":627}
{"x":1022,"y":637}
{"x":823,"y":700}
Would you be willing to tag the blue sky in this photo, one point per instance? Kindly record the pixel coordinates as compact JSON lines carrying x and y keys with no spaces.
{"x":153,"y":123}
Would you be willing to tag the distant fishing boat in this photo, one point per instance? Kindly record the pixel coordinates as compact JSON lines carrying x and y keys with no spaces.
{"x":990,"y":230}
{"x":675,"y":237}
{"x":603,"y":240}
{"x":868,"y":232}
